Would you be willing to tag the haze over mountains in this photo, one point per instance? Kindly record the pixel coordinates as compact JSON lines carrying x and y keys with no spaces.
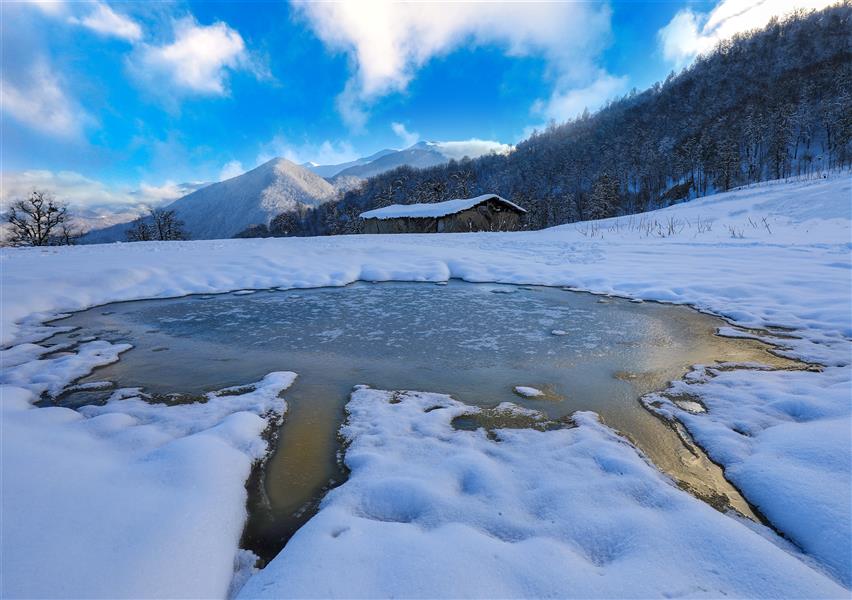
{"x":224,"y":209}
{"x":419,"y":156}
{"x":329,"y":171}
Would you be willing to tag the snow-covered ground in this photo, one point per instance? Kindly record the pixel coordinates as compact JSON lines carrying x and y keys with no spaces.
{"x":129,"y":499}
{"x":433,"y":512}
{"x":151,"y":494}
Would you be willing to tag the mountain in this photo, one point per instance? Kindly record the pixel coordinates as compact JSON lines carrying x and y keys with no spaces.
{"x":223,"y":209}
{"x":226,"y":208}
{"x":329,"y":171}
{"x":772,"y":104}
{"x":419,"y":156}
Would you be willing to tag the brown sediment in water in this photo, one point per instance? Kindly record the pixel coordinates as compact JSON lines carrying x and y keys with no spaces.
{"x":452,"y":339}
{"x":491,"y":420}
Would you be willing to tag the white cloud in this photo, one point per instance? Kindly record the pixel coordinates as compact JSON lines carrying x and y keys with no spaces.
{"x":691,"y":33}
{"x":567,"y":104}
{"x":680,"y":40}
{"x":149,"y":194}
{"x":408,"y":138}
{"x":50,"y":7}
{"x":92,"y":204}
{"x":198,"y":60}
{"x":326,"y":153}
{"x":351,"y":107}
{"x":39,"y":100}
{"x":231,"y":169}
{"x":105,"y":21}
{"x":387,"y":41}
{"x":88,"y":195}
{"x":472,"y":148}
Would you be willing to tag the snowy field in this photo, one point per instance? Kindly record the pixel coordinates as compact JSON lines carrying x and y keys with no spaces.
{"x":140,"y":500}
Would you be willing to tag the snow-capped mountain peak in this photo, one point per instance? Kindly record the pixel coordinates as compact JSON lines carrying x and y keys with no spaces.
{"x":223,"y":209}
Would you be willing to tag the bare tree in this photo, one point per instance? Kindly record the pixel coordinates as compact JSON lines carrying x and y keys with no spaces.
{"x":140,"y":231}
{"x":166,"y":225}
{"x":38,"y":220}
{"x":160,"y":224}
{"x":68,"y":235}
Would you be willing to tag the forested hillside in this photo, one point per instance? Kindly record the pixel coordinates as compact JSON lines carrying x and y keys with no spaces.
{"x":772,"y":104}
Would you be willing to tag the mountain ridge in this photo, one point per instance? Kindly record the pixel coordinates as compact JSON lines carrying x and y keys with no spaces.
{"x":225,"y":208}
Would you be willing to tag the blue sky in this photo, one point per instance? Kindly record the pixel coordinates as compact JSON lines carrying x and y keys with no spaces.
{"x":122,"y":101}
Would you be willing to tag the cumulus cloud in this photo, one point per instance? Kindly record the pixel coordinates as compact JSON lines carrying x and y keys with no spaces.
{"x":197,"y":61}
{"x":325,"y":153}
{"x":472,"y":148}
{"x":387,"y":42}
{"x":408,"y":138}
{"x":691,"y":33}
{"x":231,"y":169}
{"x":38,"y":98}
{"x":104,"y":20}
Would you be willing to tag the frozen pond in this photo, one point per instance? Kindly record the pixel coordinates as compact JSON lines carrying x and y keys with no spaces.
{"x":476,"y":342}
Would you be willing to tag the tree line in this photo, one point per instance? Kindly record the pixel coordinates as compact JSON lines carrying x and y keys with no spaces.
{"x":769,"y":104}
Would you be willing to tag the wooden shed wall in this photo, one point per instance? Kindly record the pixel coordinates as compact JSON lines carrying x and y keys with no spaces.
{"x":401,"y":225}
{"x":488,"y":216}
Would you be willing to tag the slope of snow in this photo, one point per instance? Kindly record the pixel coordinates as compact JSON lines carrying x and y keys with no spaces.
{"x":419,"y":156}
{"x":774,"y":255}
{"x":435,"y":209}
{"x":785,"y":441}
{"x":221,"y":210}
{"x":428,"y":511}
{"x":256,"y":197}
{"x":130,"y":499}
{"x":329,"y":171}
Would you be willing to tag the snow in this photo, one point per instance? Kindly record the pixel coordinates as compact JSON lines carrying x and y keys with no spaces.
{"x":429,"y":511}
{"x":125,"y":500}
{"x":329,"y":171}
{"x":420,"y":156}
{"x":528,"y":392}
{"x":129,"y":499}
{"x":223,"y":209}
{"x":784,"y":439}
{"x":436,"y":209}
{"x":50,"y":375}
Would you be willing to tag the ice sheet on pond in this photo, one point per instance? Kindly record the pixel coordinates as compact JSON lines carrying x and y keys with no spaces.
{"x":483,"y":343}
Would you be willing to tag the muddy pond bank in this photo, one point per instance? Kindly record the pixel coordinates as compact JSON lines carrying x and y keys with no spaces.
{"x":476,"y":342}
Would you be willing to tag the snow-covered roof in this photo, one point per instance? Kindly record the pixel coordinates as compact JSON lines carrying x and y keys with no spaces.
{"x":435,"y":209}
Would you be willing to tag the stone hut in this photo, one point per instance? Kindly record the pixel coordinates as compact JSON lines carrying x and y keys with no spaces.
{"x":488,"y":212}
